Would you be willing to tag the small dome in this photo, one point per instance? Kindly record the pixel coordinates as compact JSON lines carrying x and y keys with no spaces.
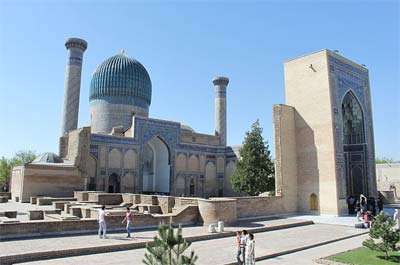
{"x":186,"y":127}
{"x":121,"y":80}
{"x":47,"y":158}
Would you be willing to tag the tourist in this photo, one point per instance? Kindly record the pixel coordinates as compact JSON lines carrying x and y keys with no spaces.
{"x":129,"y":221}
{"x":396,"y":218}
{"x":363,"y":205}
{"x":351,"y":204}
{"x":379,"y":203}
{"x":102,"y":222}
{"x":243,"y":242}
{"x":358,"y":211}
{"x":238,"y":243}
{"x":367,"y":218}
{"x":250,"y":254}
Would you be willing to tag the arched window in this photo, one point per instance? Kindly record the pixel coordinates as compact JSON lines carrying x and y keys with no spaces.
{"x":353,"y":121}
{"x":313,"y":202}
{"x":191,"y":187}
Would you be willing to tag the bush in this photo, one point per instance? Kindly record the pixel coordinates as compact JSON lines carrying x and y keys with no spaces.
{"x":383,"y":235}
{"x":168,"y":248}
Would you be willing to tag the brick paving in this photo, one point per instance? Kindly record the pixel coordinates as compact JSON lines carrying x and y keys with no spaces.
{"x":222,"y":251}
{"x":309,"y":256}
{"x":58,"y":246}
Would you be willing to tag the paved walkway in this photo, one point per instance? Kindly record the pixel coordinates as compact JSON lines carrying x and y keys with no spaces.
{"x":222,"y":251}
{"x":308,"y":257}
{"x":328,"y":219}
{"x":54,"y":244}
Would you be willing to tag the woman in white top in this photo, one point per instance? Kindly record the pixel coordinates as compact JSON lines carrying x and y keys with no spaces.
{"x":396,"y":218}
{"x":250,"y":254}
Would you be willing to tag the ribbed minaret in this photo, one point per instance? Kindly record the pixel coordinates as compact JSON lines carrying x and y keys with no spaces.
{"x":220,"y":84}
{"x":76,"y":47}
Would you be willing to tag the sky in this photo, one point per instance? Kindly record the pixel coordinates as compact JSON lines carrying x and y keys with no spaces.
{"x":183,"y":45}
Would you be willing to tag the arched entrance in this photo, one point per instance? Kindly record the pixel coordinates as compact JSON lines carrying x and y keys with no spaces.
{"x":114,"y":183}
{"x":156,"y":168}
{"x":354,"y":145}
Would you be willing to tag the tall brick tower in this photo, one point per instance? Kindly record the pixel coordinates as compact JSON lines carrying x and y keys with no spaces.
{"x":220,"y":84}
{"x":76,"y":47}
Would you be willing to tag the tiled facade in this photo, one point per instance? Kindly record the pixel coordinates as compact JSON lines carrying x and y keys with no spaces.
{"x":190,"y":163}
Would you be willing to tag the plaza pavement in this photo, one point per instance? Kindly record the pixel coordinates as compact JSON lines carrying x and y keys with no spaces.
{"x":222,"y":250}
{"x":55,"y":247}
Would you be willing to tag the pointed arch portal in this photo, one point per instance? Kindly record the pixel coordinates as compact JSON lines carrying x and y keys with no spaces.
{"x":354,"y":145}
{"x":156,"y":168}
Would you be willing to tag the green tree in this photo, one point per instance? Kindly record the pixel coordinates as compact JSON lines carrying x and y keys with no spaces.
{"x":384,"y":160}
{"x":6,"y":165}
{"x":254,"y":172}
{"x":168,"y":248}
{"x":5,"y":170}
{"x":383,"y":235}
{"x":23,"y":157}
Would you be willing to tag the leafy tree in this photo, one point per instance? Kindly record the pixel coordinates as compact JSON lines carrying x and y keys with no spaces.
{"x":5,"y":170}
{"x":6,"y":165}
{"x":383,"y":235}
{"x":168,"y":248}
{"x":23,"y":157}
{"x":254,"y":172}
{"x":384,"y":160}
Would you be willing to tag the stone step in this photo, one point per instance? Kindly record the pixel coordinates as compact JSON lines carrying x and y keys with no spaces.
{"x":62,"y":217}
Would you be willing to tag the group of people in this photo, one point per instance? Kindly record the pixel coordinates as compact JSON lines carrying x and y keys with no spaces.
{"x":246,"y":245}
{"x":364,"y":208}
{"x":128,"y":219}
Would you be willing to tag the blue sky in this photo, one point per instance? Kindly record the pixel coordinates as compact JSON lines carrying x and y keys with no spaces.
{"x":183,"y":44}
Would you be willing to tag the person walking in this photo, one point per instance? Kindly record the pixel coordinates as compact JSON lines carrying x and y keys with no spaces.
{"x":250,"y":253}
{"x":238,"y":243}
{"x":102,"y":222}
{"x":129,"y":221}
{"x":243,"y":242}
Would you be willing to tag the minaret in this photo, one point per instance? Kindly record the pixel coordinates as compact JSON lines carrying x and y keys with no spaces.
{"x":76,"y":48}
{"x":220,"y":84}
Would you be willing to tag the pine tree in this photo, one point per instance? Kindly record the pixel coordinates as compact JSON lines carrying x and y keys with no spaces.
{"x":383,"y":235}
{"x":254,"y":172}
{"x":168,"y":248}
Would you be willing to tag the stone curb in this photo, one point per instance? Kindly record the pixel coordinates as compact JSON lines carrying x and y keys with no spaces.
{"x":290,"y":251}
{"x":325,"y":261}
{"x":35,"y":256}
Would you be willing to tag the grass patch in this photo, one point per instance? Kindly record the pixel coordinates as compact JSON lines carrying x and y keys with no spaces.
{"x":365,"y":256}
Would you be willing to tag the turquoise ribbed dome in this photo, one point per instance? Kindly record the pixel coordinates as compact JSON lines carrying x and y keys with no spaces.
{"x":121,"y":80}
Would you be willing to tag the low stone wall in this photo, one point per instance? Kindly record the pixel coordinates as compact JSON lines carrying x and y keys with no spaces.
{"x":188,"y":215}
{"x":166,"y":203}
{"x":9,"y":214}
{"x":183,"y":201}
{"x":50,"y":200}
{"x":148,"y":199}
{"x":105,"y":198}
{"x":81,"y":196}
{"x":36,"y":215}
{"x":6,"y":194}
{"x":214,"y":210}
{"x":260,"y":206}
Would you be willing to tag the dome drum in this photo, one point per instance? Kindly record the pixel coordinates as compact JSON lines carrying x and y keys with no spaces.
{"x":120,"y":88}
